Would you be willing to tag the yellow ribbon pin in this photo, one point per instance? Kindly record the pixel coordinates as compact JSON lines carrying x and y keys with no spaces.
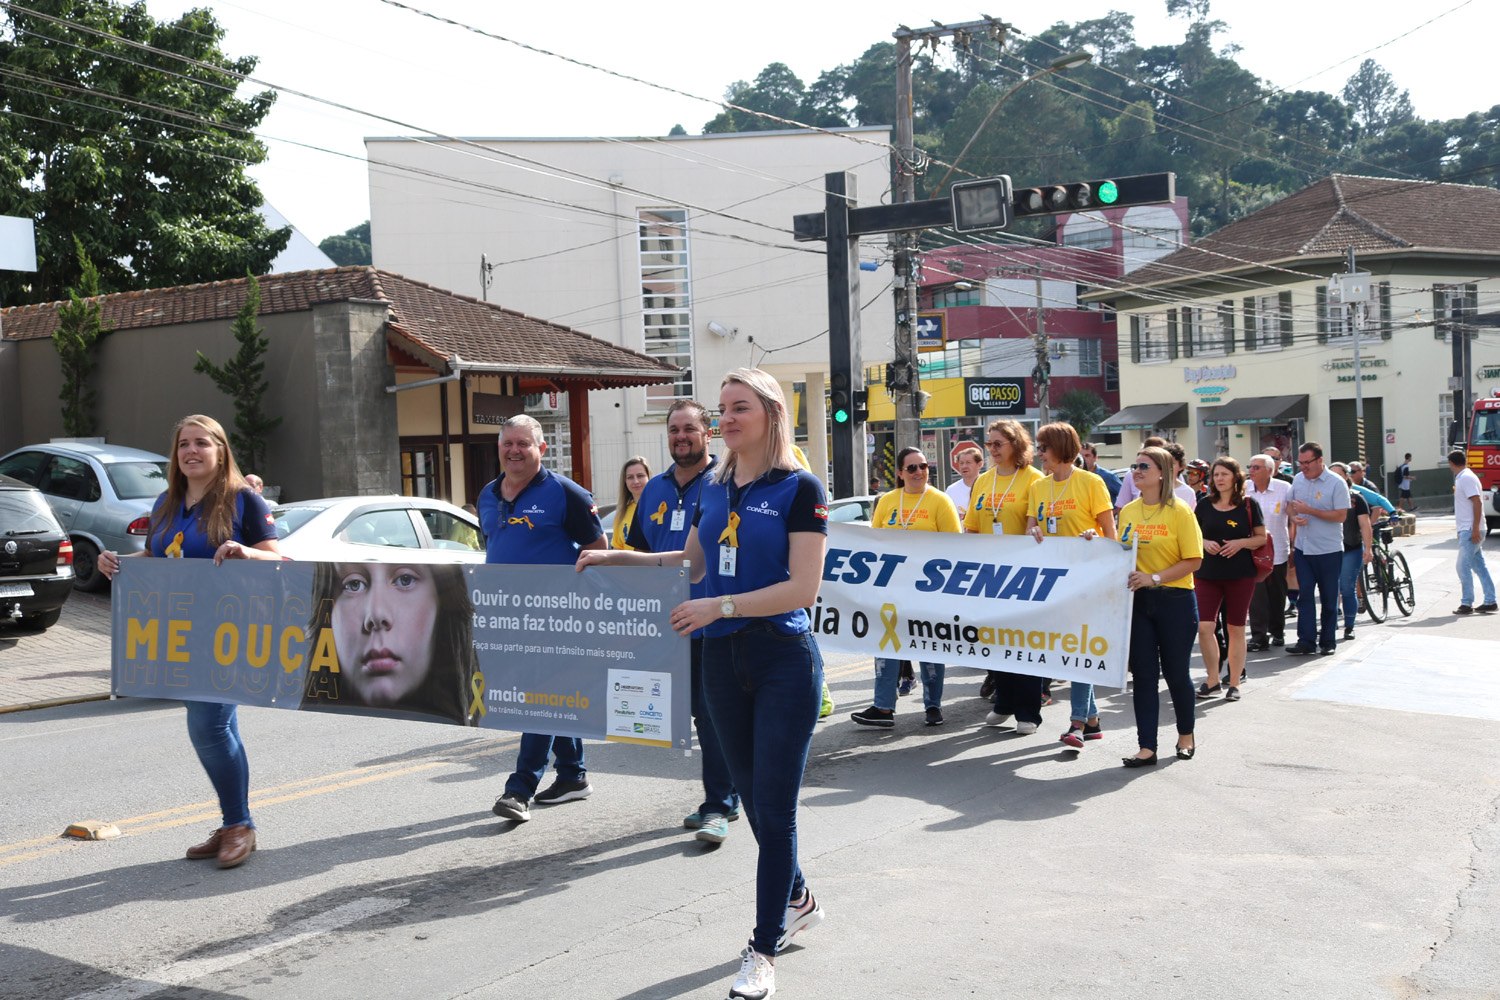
{"x":661,"y":513}
{"x":888,"y":619}
{"x":731,"y":532}
{"x":476,"y":687}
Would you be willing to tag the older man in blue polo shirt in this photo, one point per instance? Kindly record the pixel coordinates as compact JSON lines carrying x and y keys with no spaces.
{"x":533,"y":516}
{"x":1318,"y":504}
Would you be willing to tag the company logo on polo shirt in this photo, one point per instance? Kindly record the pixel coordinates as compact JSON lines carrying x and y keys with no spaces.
{"x":534,"y":509}
{"x":761,"y":508}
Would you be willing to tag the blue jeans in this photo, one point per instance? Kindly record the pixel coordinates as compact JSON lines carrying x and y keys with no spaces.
{"x":764,"y":690}
{"x":1470,"y":565}
{"x":719,"y":795}
{"x":531,"y":763}
{"x":1082,"y":697}
{"x":214,"y":730}
{"x":1318,"y":613}
{"x":888,"y":675}
{"x":1163,"y":625}
{"x":1349,"y":569}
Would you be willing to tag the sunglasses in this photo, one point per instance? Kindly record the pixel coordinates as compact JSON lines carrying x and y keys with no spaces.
{"x":1142,"y":467}
{"x":917,"y":468}
{"x":994,"y":444}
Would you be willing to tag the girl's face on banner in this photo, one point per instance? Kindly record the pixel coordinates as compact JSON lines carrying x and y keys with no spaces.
{"x":383,"y":619}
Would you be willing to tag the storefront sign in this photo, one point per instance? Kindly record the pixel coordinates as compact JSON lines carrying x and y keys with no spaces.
{"x":488,"y":408}
{"x":1344,"y":364}
{"x":984,"y":397}
{"x":1490,"y":371}
{"x":931,"y":331}
{"x":1209,"y":373}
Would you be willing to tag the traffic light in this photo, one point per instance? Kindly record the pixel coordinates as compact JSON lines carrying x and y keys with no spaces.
{"x":981,"y":204}
{"x":1118,"y":192}
{"x":838,"y":398}
{"x":861,"y":406}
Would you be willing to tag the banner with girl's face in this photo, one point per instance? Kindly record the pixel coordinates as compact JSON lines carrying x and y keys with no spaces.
{"x":540,"y":649}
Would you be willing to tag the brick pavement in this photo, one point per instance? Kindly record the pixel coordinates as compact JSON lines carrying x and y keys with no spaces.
{"x":68,"y":662}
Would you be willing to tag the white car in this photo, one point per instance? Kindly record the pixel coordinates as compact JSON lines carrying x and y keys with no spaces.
{"x":379,"y":529}
{"x":852,"y":510}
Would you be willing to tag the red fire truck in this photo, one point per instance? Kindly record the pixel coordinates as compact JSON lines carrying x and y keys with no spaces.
{"x":1484,"y":455}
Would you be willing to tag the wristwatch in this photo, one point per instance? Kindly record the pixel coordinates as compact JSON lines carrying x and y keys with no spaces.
{"x":726,"y":606}
{"x":1156,"y":579}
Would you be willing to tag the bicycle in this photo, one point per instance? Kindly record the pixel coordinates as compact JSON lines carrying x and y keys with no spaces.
{"x":1387,"y":576}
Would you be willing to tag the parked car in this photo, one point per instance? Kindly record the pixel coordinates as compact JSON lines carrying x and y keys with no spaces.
{"x":36,"y":558}
{"x":852,"y":510}
{"x":362,"y":529}
{"x":102,"y":495}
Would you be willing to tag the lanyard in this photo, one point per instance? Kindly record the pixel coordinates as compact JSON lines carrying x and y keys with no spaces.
{"x":901,"y":514}
{"x":997,"y":495}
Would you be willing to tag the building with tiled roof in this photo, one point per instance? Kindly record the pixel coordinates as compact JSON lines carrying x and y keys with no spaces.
{"x":346,"y":345}
{"x":1236,"y":341}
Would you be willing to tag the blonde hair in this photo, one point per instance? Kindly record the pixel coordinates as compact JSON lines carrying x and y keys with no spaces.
{"x":779,"y":452}
{"x":1167,"y":466}
{"x":219,"y":502}
{"x":627,"y":499}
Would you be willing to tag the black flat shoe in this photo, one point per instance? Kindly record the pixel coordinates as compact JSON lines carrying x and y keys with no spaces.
{"x":1186,"y":753}
{"x":1139,"y":761}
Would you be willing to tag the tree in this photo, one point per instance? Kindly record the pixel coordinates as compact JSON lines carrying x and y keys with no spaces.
{"x":1083,"y":409}
{"x":242,"y":379}
{"x":142,"y":154}
{"x":1374,"y":101}
{"x":350,"y":247}
{"x":677,"y":130}
{"x":776,"y":91}
{"x":80,"y":327}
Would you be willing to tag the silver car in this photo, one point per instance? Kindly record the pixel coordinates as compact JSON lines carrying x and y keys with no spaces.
{"x":376,"y":528}
{"x":102,"y":495}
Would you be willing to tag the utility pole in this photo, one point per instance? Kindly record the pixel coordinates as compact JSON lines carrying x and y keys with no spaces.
{"x":1043,"y":372}
{"x":1351,"y":291}
{"x":904,"y":383}
{"x":486,"y":276}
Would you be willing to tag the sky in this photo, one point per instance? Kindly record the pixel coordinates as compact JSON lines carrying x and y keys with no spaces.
{"x":397,"y":72}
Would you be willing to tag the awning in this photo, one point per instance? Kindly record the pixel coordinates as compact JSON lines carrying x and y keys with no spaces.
{"x":1253,"y":410}
{"x":1145,"y":416}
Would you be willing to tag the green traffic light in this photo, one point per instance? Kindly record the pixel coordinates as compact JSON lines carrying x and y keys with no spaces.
{"x":841,"y":416}
{"x":1109,"y":193}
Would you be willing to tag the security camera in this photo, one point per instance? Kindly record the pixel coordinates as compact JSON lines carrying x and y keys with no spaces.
{"x":720,"y":330}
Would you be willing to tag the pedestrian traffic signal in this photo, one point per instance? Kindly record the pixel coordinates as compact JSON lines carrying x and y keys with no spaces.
{"x":838,"y":397}
{"x":1078,"y":196}
{"x":981,"y":204}
{"x":861,"y":406}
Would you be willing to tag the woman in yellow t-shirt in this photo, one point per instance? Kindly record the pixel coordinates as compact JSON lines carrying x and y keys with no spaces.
{"x":634,"y":475}
{"x":1070,"y":503}
{"x":915,"y":506}
{"x":997,"y":506}
{"x":1164,"y":620}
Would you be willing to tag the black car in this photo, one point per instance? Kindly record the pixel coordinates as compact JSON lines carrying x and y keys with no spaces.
{"x":36,"y":558}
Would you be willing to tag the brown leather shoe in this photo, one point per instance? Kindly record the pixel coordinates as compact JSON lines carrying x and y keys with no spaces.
{"x":235,"y":845}
{"x":208,"y":849}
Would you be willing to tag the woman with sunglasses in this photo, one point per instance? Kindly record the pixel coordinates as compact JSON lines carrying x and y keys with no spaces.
{"x":1070,"y":503}
{"x":1164,"y":615}
{"x":998,"y":507}
{"x":916,"y":506}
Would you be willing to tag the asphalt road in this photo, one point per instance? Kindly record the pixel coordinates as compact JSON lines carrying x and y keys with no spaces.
{"x":1336,"y":836}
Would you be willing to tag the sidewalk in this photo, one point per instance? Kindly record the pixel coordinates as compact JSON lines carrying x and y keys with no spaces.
{"x":69,"y":662}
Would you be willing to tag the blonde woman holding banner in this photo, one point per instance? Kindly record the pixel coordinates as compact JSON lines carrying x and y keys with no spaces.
{"x":998,"y":507}
{"x":757,"y":545}
{"x":1070,"y":503}
{"x":916,"y":506}
{"x":1164,"y":615}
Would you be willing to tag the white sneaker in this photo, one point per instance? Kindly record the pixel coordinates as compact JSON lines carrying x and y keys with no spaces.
{"x":756,"y":979}
{"x":1025,"y":728}
{"x":800,"y":917}
{"x":996,"y":719}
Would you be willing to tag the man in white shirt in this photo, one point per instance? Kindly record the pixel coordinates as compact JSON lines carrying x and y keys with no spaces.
{"x":1468,"y":512}
{"x":1268,"y":603}
{"x":968,"y":462}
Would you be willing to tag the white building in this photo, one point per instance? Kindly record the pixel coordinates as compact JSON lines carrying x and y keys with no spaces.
{"x":1232,"y":344}
{"x":680,"y":247}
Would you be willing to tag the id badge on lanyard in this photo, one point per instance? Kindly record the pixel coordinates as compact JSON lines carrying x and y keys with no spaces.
{"x":1052,"y":525}
{"x":728,"y":556}
{"x":679,"y":519}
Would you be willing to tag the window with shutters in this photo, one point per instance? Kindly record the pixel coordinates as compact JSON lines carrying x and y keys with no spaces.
{"x":1268,"y":323}
{"x":666,"y":300}
{"x":1089,"y":356}
{"x":1206,"y":330}
{"x":1453,"y":304}
{"x":1111,"y":376}
{"x":1445,"y":418}
{"x":1155,"y":348}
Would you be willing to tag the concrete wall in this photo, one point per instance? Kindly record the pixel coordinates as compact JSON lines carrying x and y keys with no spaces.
{"x":356,"y":449}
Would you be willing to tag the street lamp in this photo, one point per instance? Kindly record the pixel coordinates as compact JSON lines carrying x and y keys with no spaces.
{"x":1070,"y":61}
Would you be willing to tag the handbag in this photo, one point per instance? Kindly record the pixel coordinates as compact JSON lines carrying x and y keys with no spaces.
{"x":1265,"y":556}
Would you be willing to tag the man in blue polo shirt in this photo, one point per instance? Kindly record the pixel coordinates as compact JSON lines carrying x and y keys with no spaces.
{"x":1318,"y":504}
{"x":666,"y":511}
{"x":532,"y":516}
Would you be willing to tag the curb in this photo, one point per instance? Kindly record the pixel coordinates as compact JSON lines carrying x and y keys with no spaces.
{"x":53,"y":703}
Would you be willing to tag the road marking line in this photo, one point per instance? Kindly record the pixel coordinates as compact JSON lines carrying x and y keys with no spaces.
{"x":177,"y":973}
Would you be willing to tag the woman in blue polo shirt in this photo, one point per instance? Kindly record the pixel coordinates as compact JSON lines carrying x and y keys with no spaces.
{"x":209,"y":512}
{"x":758,"y":545}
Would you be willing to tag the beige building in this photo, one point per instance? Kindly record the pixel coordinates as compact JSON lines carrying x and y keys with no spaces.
{"x":383,"y":384}
{"x":680,"y":248}
{"x":1236,"y":342}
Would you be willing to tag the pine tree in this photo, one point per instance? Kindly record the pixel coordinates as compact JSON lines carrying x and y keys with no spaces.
{"x":80,"y":327}
{"x":242,"y":379}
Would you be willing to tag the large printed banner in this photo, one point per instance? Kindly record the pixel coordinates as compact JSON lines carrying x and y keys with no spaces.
{"x":1001,"y":602}
{"x":540,"y":649}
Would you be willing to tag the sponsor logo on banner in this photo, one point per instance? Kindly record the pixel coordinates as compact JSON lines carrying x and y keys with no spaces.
{"x":1060,"y":609}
